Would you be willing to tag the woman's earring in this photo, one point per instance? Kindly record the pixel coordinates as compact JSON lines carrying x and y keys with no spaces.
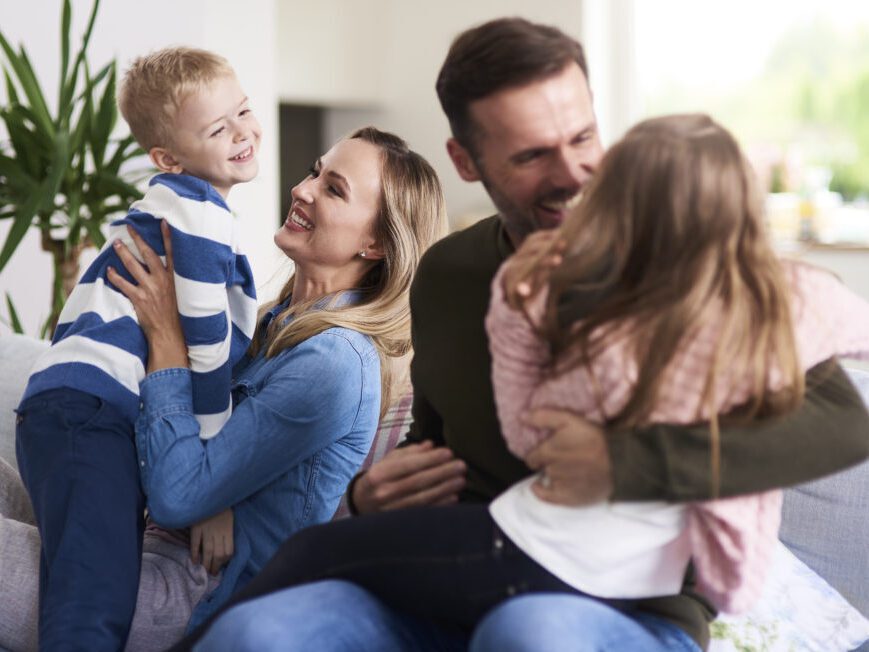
{"x":362,"y":254}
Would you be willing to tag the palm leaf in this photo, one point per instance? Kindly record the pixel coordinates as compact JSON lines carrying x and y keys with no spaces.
{"x":72,"y":82}
{"x":30,"y":85}
{"x":20,"y":224}
{"x":11,"y":93}
{"x":65,"y":19}
{"x":127,"y":148}
{"x":23,"y":144}
{"x":107,"y":116}
{"x":15,"y":322}
{"x":14,"y":176}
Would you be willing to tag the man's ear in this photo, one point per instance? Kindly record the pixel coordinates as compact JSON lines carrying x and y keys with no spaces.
{"x":463,"y":160}
{"x":164,"y":161}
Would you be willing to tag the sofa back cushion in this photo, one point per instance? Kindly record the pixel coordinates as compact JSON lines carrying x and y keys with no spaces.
{"x":17,"y":355}
{"x":826,"y":524}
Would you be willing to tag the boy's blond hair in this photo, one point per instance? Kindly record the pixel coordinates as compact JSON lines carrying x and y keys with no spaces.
{"x":155,"y":86}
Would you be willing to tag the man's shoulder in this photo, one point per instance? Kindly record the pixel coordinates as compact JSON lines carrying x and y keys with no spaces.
{"x":475,"y":247}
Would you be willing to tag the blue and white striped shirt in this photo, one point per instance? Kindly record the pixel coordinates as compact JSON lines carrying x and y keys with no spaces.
{"x":99,"y":347}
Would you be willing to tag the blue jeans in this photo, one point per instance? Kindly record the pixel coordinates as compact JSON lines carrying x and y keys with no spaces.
{"x":337,"y":616}
{"x":78,"y":462}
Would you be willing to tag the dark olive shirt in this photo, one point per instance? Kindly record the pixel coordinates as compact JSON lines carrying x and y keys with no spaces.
{"x":454,"y":406}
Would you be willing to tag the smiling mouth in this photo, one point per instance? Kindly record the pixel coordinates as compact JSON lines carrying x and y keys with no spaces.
{"x":244,"y":156}
{"x":298,"y":220}
{"x":562,"y":205}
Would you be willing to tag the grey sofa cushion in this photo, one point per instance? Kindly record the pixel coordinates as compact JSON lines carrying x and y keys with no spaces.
{"x":17,"y":353}
{"x":826,"y":524}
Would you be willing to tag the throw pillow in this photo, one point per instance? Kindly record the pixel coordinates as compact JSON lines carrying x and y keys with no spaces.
{"x":797,"y":612}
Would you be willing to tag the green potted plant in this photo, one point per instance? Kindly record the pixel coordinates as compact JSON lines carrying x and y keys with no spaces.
{"x":63,"y":174}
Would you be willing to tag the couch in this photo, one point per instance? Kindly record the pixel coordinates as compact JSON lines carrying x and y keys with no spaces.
{"x":825,"y":523}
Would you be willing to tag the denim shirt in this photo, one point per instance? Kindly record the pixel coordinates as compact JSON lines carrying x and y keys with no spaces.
{"x":302,"y":423}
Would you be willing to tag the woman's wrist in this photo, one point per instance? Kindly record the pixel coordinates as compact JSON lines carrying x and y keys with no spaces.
{"x":167,"y":352}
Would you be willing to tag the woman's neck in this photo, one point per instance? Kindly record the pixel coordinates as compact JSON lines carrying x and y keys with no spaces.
{"x":309,"y":286}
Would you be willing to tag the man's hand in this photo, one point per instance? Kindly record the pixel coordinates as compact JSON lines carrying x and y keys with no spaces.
{"x":573,"y":461}
{"x":412,"y":476}
{"x":211,"y":541}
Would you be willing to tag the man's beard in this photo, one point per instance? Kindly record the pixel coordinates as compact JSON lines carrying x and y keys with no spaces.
{"x":519,"y":223}
{"x":522,"y":222}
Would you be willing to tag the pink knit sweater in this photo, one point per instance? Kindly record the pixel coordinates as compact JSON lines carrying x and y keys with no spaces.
{"x":731,"y":539}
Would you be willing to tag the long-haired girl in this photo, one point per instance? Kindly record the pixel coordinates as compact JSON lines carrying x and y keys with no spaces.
{"x":695,"y":317}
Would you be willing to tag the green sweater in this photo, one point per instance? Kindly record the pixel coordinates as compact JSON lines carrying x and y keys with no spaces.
{"x":454,"y":406}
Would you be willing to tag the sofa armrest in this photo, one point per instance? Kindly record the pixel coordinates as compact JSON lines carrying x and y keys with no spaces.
{"x":824,"y":523}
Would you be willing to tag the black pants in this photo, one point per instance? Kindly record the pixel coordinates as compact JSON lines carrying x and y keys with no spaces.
{"x":447,"y":564}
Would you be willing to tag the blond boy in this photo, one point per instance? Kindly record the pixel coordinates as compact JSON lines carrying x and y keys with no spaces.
{"x":75,"y":433}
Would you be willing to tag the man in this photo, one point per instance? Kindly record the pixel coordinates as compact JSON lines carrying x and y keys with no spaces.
{"x":521,"y":114}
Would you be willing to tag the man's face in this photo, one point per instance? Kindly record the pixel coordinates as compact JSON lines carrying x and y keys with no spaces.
{"x":535,"y":148}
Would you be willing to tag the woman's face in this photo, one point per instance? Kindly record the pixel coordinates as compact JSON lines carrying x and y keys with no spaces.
{"x":334,"y":209}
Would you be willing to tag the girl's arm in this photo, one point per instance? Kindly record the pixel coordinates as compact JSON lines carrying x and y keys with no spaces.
{"x":519,"y":358}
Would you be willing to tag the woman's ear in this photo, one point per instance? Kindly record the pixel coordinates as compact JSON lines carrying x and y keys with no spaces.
{"x":164,"y":161}
{"x":372,"y":252}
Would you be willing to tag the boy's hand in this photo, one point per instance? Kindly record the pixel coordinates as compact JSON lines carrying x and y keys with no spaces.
{"x":211,"y":542}
{"x":528,"y":270}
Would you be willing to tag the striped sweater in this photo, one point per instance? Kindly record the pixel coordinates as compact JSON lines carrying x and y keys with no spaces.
{"x":99,"y":347}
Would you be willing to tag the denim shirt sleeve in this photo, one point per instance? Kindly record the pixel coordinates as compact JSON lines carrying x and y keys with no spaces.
{"x":310,"y":398}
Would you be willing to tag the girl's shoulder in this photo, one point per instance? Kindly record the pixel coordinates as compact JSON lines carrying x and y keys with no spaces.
{"x":807,"y":279}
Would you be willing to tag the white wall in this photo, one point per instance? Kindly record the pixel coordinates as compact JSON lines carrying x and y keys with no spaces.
{"x":388,"y":53}
{"x":242,"y":32}
{"x":372,"y":61}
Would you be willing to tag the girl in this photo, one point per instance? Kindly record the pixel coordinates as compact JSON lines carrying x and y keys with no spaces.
{"x":696,"y":318}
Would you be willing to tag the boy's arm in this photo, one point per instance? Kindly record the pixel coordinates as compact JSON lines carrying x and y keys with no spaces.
{"x":828,"y":433}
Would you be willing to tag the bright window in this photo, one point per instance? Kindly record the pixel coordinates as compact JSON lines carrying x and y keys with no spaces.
{"x":791,"y":80}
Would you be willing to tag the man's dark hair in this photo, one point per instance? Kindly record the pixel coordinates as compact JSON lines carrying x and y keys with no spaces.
{"x":502,"y":53}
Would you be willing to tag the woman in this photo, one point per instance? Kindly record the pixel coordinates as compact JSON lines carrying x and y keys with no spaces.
{"x":307,"y":397}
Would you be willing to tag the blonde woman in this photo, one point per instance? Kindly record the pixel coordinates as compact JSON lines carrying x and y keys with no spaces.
{"x":307,"y":397}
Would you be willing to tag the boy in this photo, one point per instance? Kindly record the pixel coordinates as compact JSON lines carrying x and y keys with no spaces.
{"x":75,"y":434}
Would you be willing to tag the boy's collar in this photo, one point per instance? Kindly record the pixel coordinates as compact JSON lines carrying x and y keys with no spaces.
{"x":190,"y":187}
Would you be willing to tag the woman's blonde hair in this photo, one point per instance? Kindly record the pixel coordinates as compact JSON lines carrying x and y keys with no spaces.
{"x":670,"y":232}
{"x":412,"y":217}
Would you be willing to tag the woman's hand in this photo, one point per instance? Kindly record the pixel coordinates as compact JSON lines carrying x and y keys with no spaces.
{"x":211,"y":542}
{"x":528,"y":270}
{"x":154,"y":300}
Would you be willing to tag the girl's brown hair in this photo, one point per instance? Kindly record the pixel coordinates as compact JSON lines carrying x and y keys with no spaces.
{"x":670,"y":231}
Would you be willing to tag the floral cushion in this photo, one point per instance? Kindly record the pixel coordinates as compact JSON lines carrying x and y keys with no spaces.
{"x":798,"y":612}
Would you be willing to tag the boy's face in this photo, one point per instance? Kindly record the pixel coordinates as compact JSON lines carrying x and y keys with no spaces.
{"x":216,"y":136}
